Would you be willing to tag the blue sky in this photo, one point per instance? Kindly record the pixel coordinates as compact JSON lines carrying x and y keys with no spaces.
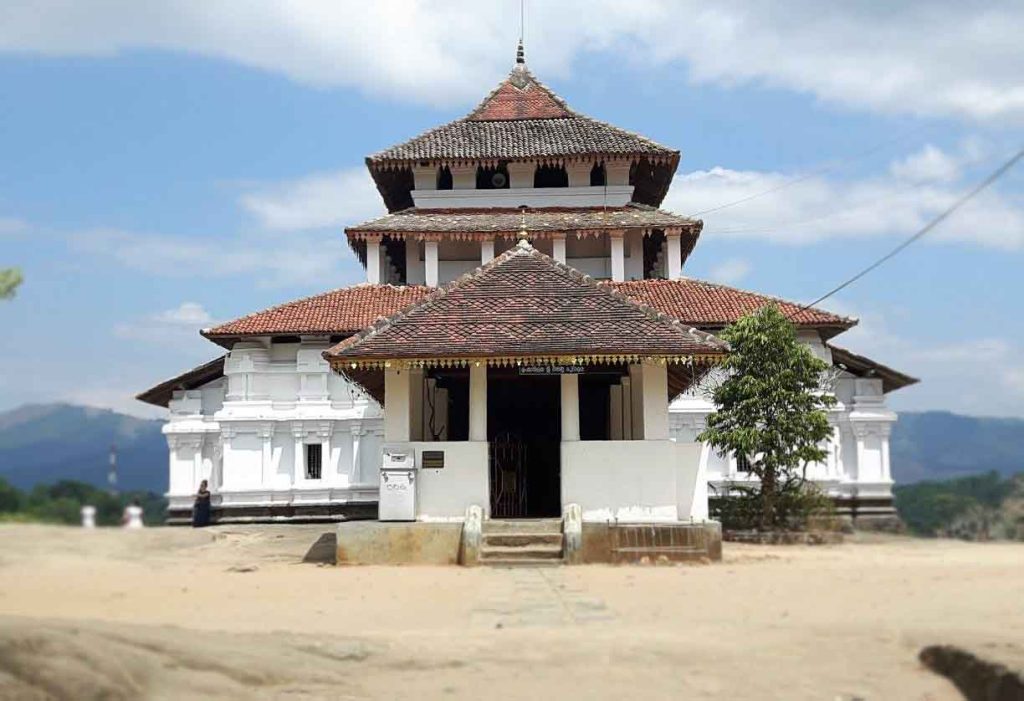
{"x":161,"y":170}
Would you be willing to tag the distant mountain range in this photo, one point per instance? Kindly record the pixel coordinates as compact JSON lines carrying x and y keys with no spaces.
{"x":47,"y":442}
{"x":43,"y":443}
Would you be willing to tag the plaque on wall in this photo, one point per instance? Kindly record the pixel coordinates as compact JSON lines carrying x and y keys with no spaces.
{"x":432,"y":460}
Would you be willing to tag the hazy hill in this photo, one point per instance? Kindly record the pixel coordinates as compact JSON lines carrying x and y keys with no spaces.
{"x":47,"y":442}
{"x":936,"y":445}
{"x":43,"y":443}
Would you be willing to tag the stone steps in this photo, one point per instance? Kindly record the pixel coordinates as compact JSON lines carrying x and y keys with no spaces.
{"x":522,"y":539}
{"x":521,"y":542}
{"x":523,"y":525}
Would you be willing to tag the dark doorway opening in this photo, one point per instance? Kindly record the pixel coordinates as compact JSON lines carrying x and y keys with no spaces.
{"x":524,"y":430}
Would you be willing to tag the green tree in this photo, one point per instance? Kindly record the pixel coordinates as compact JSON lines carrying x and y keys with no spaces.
{"x":10,"y":278}
{"x":771,"y":405}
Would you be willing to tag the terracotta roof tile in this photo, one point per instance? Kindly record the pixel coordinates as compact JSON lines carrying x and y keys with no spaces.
{"x":352,"y":309}
{"x":342,"y":311}
{"x":520,"y":119}
{"x":709,"y":305}
{"x":510,"y":221}
{"x":524,"y":303}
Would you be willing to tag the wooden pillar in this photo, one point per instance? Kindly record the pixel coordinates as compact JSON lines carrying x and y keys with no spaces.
{"x":558,"y":247}
{"x":673,"y":255}
{"x":486,"y":251}
{"x":373,"y":261}
{"x":637,"y":401}
{"x":627,"y":408}
{"x":618,"y":256}
{"x":615,"y":412}
{"x":396,"y":405}
{"x":478,"y":402}
{"x":430,"y":262}
{"x":570,"y":407}
{"x":655,"y":401}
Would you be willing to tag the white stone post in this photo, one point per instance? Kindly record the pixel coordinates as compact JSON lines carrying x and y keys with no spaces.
{"x":615,"y":412}
{"x":655,"y":401}
{"x":430,"y":261}
{"x":674,"y":256}
{"x":570,"y":408}
{"x":618,"y":256}
{"x":486,"y":251}
{"x":478,"y":402}
{"x":637,"y":388}
{"x":373,"y":261}
{"x":396,"y":405}
{"x":558,"y":247}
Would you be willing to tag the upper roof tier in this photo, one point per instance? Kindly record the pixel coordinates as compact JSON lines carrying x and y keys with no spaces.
{"x":524,"y":120}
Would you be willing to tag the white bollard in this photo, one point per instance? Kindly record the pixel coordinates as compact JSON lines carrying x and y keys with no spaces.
{"x":88,"y":516}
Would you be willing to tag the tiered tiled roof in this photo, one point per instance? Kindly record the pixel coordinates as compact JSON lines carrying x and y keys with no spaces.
{"x":161,"y":394}
{"x":522,"y":119}
{"x":336,"y":313}
{"x":709,"y":305}
{"x":510,"y":221}
{"x":352,"y":309}
{"x":524,"y":305}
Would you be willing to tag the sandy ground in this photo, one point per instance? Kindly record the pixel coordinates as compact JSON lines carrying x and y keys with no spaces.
{"x":249,"y":613}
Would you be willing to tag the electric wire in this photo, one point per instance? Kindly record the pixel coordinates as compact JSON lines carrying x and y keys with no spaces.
{"x":941,"y":217}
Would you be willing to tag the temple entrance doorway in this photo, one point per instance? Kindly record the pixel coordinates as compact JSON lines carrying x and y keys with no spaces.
{"x":524,"y":431}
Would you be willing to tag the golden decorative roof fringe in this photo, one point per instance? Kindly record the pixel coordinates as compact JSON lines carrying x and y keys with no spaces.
{"x":343,"y":364}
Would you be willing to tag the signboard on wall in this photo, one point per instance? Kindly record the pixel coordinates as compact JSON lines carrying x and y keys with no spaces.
{"x":432,"y":460}
{"x":551,"y":369}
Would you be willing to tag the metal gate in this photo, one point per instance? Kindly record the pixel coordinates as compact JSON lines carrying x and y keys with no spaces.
{"x":508,"y":477}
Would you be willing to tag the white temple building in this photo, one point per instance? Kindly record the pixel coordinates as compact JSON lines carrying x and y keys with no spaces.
{"x":526,"y":323}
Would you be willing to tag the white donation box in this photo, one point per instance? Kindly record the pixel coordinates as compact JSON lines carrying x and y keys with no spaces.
{"x":397,"y":487}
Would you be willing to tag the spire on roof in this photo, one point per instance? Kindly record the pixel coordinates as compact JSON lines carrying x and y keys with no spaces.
{"x":520,"y":54}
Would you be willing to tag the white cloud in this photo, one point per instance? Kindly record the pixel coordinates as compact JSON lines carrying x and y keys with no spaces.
{"x":802,"y":209}
{"x":730,"y":271}
{"x":10,"y":226}
{"x":912,"y":57}
{"x":981,"y":376}
{"x":186,"y":314}
{"x":178,"y":327}
{"x":929,"y":164}
{"x":301,"y":258}
{"x":316,"y":201}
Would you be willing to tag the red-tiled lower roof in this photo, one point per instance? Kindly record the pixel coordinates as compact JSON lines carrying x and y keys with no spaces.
{"x":342,"y":311}
{"x":709,"y":305}
{"x":352,"y":309}
{"x":525,"y":304}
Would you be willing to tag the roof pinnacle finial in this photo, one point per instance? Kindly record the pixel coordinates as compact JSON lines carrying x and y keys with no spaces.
{"x":520,"y":54}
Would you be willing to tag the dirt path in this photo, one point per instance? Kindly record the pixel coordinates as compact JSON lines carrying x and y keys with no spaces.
{"x":236,"y":612}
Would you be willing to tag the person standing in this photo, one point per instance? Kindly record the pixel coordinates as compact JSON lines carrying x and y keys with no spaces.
{"x":201,"y":507}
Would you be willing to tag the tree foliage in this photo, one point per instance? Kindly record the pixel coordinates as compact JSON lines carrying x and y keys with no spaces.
{"x":62,"y":502}
{"x":10,"y":278}
{"x":771,"y":405}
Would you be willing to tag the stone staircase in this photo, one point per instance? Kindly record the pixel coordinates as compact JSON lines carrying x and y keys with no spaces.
{"x":530,"y":542}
